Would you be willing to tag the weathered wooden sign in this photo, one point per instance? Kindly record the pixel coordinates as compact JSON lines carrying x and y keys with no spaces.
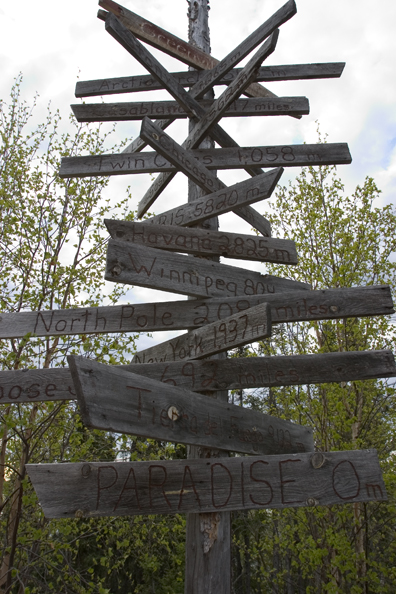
{"x":237,"y":330}
{"x":179,"y":315}
{"x":35,"y":385}
{"x":204,"y":241}
{"x":221,"y":201}
{"x":146,"y":82}
{"x":294,"y":155}
{"x":116,"y":400}
{"x":148,"y":267}
{"x":190,"y":54}
{"x":110,"y":112}
{"x":207,"y":485}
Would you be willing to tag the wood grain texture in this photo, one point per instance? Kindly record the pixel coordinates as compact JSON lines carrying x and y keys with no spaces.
{"x":228,"y":199}
{"x":113,"y":399}
{"x":147,"y":267}
{"x":236,"y":330}
{"x":293,"y":155}
{"x":138,"y":83}
{"x":135,"y":111}
{"x":98,"y":489}
{"x":170,"y":44}
{"x":180,"y":315}
{"x":204,"y":241}
{"x":38,"y":385}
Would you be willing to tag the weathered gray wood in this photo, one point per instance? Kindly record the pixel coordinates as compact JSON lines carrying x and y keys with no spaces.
{"x":169,"y":43}
{"x":144,"y":82}
{"x":180,"y":315}
{"x":37,"y":385}
{"x":204,"y":241}
{"x":147,"y":267}
{"x":97,"y":489}
{"x":237,"y":330}
{"x":294,"y":155}
{"x":113,"y":399}
{"x":221,"y":201}
{"x":118,"y":112}
{"x":211,"y":77}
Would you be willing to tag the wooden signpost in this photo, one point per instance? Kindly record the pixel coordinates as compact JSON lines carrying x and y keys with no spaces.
{"x":163,"y":393}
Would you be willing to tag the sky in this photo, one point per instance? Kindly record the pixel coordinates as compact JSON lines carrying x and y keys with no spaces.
{"x":53,"y":43}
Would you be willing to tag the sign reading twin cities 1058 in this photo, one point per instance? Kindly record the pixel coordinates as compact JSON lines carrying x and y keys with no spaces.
{"x":156,"y":269}
{"x":207,"y":485}
{"x":114,"y":399}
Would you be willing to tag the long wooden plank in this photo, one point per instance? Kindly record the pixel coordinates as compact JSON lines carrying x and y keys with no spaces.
{"x":294,"y":155}
{"x":237,"y":330}
{"x":97,"y":489}
{"x":220,"y":201}
{"x":144,"y":82}
{"x":147,"y":267}
{"x":132,"y":111}
{"x":37,"y":385}
{"x":204,"y":241}
{"x":180,"y":315}
{"x":116,"y":400}
{"x":169,"y":43}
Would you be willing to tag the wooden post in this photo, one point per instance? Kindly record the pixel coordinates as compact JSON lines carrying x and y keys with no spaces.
{"x":208,"y":536}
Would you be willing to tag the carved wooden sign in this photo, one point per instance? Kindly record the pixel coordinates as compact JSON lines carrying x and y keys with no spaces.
{"x":207,"y":485}
{"x":148,"y":267}
{"x":294,"y":155}
{"x":179,"y":315}
{"x":113,"y":399}
{"x":36,"y":385}
{"x":237,"y":330}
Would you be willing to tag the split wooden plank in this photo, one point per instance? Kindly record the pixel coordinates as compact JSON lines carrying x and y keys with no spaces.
{"x":180,"y":315}
{"x":39,"y":385}
{"x":236,"y":330}
{"x":113,"y":399}
{"x":98,"y":489}
{"x":132,"y":111}
{"x":146,"y":82}
{"x":294,"y":155}
{"x":169,"y":43}
{"x":148,"y":267}
{"x":204,"y":241}
{"x":221,"y":200}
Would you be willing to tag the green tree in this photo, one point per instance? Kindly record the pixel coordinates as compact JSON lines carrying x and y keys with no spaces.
{"x":342,"y":241}
{"x":52,"y":255}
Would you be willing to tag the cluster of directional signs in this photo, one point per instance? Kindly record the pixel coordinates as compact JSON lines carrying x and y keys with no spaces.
{"x":157,"y":395}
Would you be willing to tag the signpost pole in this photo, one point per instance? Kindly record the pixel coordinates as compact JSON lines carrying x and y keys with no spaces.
{"x":208,"y":536}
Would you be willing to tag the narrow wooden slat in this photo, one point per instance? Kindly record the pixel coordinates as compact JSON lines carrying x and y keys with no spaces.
{"x":180,"y":315}
{"x":119,"y":112}
{"x":144,"y":82}
{"x":37,"y":385}
{"x":204,"y":241}
{"x":147,"y":267}
{"x":294,"y":155}
{"x":98,"y":489}
{"x":236,"y":330}
{"x":113,"y":399}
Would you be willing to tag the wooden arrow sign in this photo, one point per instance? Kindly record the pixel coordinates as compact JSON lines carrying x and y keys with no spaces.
{"x":116,"y":400}
{"x":144,"y":82}
{"x":97,"y":489}
{"x":36,"y":385}
{"x":147,"y":267}
{"x":180,"y":315}
{"x":237,"y":330}
{"x":204,"y":242}
{"x":120,"y":112}
{"x":294,"y":155}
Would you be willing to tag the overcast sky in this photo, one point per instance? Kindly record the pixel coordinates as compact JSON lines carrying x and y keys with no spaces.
{"x":52,"y":43}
